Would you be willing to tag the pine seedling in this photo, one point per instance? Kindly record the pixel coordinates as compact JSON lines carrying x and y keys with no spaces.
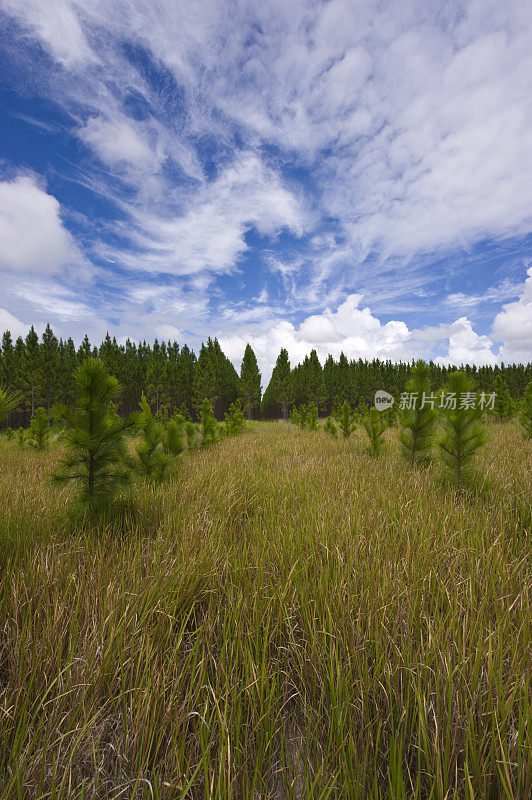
{"x":174,"y":437}
{"x":94,"y":438}
{"x":299,"y":415}
{"x":418,"y":422}
{"x":150,"y":459}
{"x":21,"y":437}
{"x":362,"y":409}
{"x":462,"y":432}
{"x":190,"y":433}
{"x":526,"y":414}
{"x":208,"y":423}
{"x":312,"y":417}
{"x":234,"y":419}
{"x":347,"y":420}
{"x":39,"y":433}
{"x":9,"y":433}
{"x":331,"y":428}
{"x":375,"y":426}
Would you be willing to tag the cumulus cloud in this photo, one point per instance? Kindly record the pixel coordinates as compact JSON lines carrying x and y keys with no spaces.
{"x":513,"y":325}
{"x":32,"y":235}
{"x":358,"y":333}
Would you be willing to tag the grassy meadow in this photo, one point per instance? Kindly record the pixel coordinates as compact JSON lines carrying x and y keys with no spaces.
{"x":284,"y":617}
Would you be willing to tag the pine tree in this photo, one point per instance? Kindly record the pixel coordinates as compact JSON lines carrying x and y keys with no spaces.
{"x":250,"y":378}
{"x":503,"y":406}
{"x":346,"y":420}
{"x":281,"y":382}
{"x":463,"y":433}
{"x":526,"y":414}
{"x":21,"y":437}
{"x":375,"y":426}
{"x":49,"y":350}
{"x":32,"y":368}
{"x":419,"y":421}
{"x":39,"y":433}
{"x":7,"y":365}
{"x":205,"y":382}
{"x":156,"y":375}
{"x":94,"y":437}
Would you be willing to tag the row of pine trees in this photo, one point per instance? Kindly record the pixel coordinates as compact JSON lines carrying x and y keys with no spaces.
{"x":172,"y":377}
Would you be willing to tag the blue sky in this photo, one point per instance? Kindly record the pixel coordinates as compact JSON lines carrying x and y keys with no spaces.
{"x":342,"y":175}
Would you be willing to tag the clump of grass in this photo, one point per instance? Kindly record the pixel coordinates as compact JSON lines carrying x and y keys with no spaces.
{"x":281,"y":621}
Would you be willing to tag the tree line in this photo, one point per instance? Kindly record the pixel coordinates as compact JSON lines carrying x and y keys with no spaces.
{"x":173,"y":377}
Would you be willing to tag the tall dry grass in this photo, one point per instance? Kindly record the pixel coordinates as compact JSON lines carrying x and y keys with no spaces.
{"x":286,"y":617}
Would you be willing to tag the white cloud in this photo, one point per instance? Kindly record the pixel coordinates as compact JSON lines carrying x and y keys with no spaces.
{"x":210,"y":235}
{"x":411,"y":122}
{"x":360,"y":334}
{"x":513,"y":325}
{"x":32,"y":235}
{"x":467,"y":347}
{"x":10,"y":323}
{"x":57,"y":25}
{"x":116,"y":140}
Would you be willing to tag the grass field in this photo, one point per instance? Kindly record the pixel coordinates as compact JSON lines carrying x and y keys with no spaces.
{"x":286,"y":617}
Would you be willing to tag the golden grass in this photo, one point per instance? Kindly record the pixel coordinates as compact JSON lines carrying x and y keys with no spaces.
{"x":285,"y":617}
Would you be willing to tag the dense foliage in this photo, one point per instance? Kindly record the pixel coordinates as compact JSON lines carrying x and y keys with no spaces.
{"x":38,"y":373}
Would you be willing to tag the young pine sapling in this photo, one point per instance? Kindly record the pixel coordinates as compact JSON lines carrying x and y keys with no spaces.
{"x":375,"y":425}
{"x":312,"y":417}
{"x":39,"y":432}
{"x":234,"y":420}
{"x":330,"y":427}
{"x":208,"y":423}
{"x":346,"y":420}
{"x":462,"y":431}
{"x":94,"y":436}
{"x":419,"y":417}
